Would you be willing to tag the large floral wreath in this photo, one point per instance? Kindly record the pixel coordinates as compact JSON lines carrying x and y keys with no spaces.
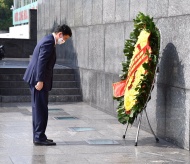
{"x":142,"y":52}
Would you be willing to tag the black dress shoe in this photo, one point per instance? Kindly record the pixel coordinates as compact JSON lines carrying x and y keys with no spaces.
{"x":49,"y":140}
{"x":44,"y":143}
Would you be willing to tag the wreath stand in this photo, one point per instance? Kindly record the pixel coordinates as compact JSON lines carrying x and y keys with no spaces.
{"x":138,"y":129}
{"x":144,"y":110}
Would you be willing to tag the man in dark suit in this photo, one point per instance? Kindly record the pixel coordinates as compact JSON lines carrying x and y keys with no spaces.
{"x":39,"y":75}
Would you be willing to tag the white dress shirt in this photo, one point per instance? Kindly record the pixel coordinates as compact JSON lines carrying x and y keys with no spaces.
{"x":54,"y":37}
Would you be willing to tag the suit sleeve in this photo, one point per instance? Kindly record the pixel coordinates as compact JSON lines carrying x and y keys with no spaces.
{"x":44,"y":55}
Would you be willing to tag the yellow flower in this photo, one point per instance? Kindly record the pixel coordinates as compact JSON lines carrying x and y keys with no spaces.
{"x":136,"y":69}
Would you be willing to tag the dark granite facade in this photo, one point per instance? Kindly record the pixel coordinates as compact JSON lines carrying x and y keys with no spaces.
{"x":100,"y":28}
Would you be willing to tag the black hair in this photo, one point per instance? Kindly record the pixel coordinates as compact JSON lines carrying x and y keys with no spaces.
{"x":66,"y":30}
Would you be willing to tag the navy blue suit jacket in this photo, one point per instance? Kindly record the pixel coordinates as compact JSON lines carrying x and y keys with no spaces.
{"x":41,"y":65}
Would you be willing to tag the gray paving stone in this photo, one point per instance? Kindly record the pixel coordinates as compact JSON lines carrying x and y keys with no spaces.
{"x":5,"y":159}
{"x":16,"y":139}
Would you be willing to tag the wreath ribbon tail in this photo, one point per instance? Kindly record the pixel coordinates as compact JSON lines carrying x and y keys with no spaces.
{"x":119,"y":89}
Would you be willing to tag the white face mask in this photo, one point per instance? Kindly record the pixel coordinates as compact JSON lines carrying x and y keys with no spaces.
{"x":60,"y":41}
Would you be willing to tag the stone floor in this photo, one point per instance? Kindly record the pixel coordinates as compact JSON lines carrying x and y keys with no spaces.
{"x":92,"y":136}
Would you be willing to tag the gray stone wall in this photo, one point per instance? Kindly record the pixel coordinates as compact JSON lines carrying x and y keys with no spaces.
{"x":100,"y":28}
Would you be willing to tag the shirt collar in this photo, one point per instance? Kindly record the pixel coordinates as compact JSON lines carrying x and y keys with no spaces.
{"x":54,"y":37}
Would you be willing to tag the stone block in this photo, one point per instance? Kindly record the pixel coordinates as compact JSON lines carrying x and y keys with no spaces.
{"x":177,"y":126}
{"x":114,"y":44}
{"x":115,"y":103}
{"x":129,"y":26}
{"x":158,"y":8}
{"x":96,"y":47}
{"x":47,"y":15}
{"x":78,"y":12}
{"x":87,"y":12}
{"x":57,"y":11}
{"x":85,"y":85}
{"x":66,"y":53}
{"x":136,"y":7}
{"x":41,"y":34}
{"x":108,"y":11}
{"x":52,"y":17}
{"x":178,"y":8}
{"x":71,"y":12}
{"x":175,"y":103}
{"x":101,"y":90}
{"x":93,"y":87}
{"x":39,"y":11}
{"x":64,"y":10}
{"x":42,"y":16}
{"x":180,"y":38}
{"x":82,"y":46}
{"x":156,"y":110}
{"x":165,"y":39}
{"x":97,"y":9}
{"x":122,"y":10}
{"x":79,"y":74}
{"x":171,"y":68}
{"x":174,"y":56}
{"x":109,"y":102}
{"x":78,"y":78}
{"x":73,"y":38}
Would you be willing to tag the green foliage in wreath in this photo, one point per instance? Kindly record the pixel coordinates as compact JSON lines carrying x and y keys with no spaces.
{"x":141,"y":22}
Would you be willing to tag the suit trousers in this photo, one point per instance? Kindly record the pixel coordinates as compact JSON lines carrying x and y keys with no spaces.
{"x":39,"y":100}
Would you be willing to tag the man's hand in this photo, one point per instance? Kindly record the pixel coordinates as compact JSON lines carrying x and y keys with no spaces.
{"x":39,"y":85}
